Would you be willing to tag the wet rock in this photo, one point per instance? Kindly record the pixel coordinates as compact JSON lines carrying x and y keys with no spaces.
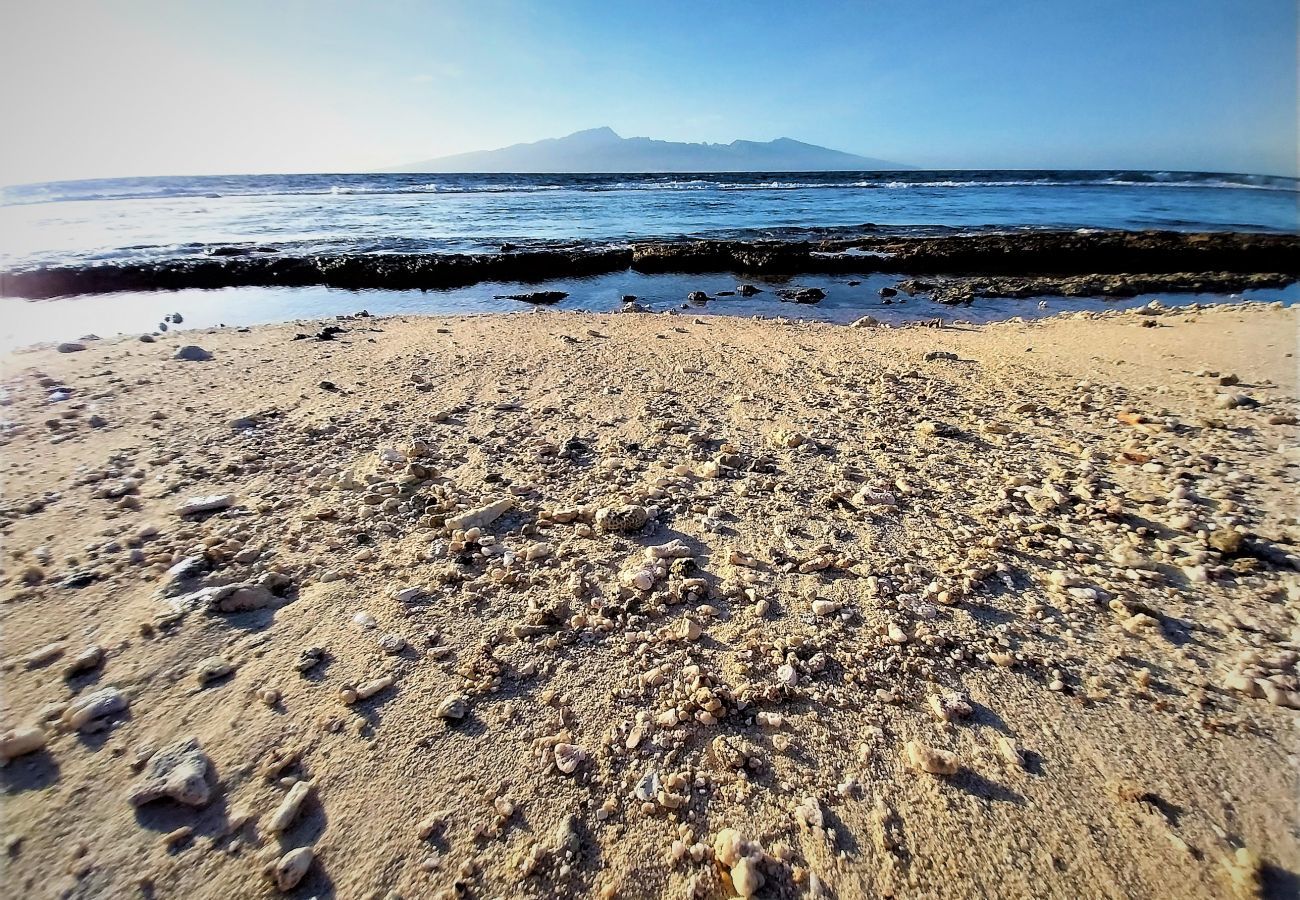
{"x":536,"y":297}
{"x":747,"y":290}
{"x":179,"y":771}
{"x":802,"y":295}
{"x":1226,"y":262}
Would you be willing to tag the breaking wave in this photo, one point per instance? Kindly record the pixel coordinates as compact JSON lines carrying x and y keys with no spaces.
{"x":343,"y":186}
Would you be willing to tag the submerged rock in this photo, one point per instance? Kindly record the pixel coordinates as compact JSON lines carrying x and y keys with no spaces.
{"x":802,"y":295}
{"x":544,"y":297}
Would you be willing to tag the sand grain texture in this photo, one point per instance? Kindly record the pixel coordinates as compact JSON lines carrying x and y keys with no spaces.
{"x":1063,"y":533}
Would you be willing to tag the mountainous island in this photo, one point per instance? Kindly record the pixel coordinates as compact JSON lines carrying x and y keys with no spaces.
{"x":603,"y":150}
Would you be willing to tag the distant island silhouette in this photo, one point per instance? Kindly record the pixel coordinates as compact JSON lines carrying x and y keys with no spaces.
{"x":603,"y":150}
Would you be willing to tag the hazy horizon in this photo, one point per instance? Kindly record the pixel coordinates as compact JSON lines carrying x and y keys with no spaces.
{"x":142,"y":87}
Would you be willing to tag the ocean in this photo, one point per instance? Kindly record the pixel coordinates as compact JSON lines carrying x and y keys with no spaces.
{"x":143,"y":219}
{"x":135,"y":220}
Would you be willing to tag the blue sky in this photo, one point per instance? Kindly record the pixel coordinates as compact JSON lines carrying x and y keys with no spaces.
{"x":133,"y":87}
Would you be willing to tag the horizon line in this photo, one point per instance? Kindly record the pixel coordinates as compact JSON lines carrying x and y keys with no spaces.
{"x":390,"y":174}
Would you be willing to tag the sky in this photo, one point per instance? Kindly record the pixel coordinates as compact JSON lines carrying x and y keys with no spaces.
{"x":187,"y":87}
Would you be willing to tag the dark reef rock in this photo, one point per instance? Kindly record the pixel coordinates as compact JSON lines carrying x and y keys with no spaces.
{"x":965,"y":289}
{"x":1159,"y":259}
{"x":546,"y":297}
{"x":802,"y":295}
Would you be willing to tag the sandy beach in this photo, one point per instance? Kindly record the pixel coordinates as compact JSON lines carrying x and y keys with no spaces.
{"x":553,"y":604}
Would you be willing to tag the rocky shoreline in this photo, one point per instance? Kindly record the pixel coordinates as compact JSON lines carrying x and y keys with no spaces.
{"x":1111,"y":263}
{"x":647,"y":606}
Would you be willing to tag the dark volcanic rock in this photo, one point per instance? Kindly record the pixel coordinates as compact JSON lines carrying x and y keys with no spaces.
{"x":1234,"y":261}
{"x":192,"y":353}
{"x":802,"y":295}
{"x":536,"y":296}
{"x":964,"y":290}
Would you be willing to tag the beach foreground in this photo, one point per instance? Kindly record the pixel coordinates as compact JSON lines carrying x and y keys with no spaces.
{"x":624,"y":605}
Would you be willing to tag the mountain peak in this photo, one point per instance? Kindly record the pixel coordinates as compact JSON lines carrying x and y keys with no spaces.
{"x":603,"y":150}
{"x":604,"y":131}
